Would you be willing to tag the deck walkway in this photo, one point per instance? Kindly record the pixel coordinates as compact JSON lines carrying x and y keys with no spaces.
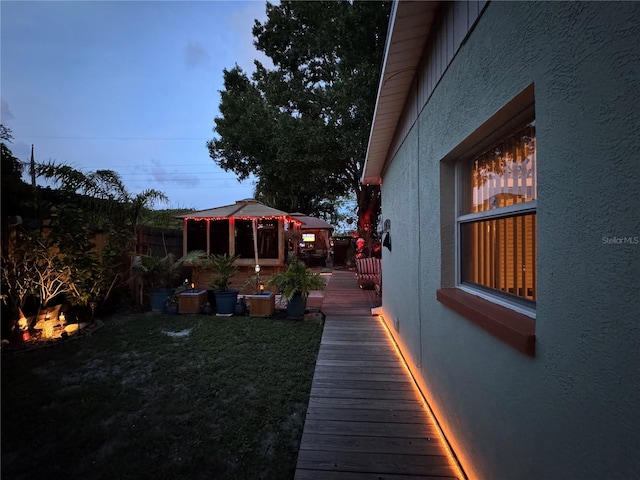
{"x":365,"y":420}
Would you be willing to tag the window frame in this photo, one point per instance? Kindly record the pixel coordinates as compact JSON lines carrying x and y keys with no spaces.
{"x":499,"y":318}
{"x":506,"y":300}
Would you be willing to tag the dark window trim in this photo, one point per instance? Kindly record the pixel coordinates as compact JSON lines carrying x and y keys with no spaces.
{"x":513,"y":328}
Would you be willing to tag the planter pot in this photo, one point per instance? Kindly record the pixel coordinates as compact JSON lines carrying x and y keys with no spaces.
{"x":226,"y":302}
{"x":240,"y":309}
{"x":296,"y":307}
{"x":191,"y":301}
{"x":262,"y":305}
{"x":172,"y":309}
{"x":157,"y":299}
{"x":211,"y":297}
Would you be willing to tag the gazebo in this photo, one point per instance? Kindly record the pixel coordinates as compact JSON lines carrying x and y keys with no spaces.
{"x":247,"y":228}
{"x":313,"y":242}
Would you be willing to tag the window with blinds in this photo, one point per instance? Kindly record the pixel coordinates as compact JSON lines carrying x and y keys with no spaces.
{"x":497,"y":220}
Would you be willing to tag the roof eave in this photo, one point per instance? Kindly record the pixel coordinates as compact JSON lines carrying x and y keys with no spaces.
{"x":371,"y":180}
{"x":409,"y":27}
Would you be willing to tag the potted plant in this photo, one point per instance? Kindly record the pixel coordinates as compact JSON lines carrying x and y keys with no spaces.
{"x":207,"y":309}
{"x":224,"y":268}
{"x":241,"y":307}
{"x":295,"y":284}
{"x":171,"y":301}
{"x":160,"y":275}
{"x":171,"y":304}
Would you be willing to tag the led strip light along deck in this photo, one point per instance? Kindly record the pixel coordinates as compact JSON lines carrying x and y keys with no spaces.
{"x":452,"y":457}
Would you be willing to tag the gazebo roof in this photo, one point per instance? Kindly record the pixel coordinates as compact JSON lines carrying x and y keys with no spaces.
{"x":243,"y":209}
{"x":311,"y":222}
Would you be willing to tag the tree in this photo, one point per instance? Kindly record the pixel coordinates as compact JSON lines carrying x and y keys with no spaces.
{"x":101,"y":199}
{"x":103,"y":193}
{"x":302,"y":128}
{"x":60,"y":256}
{"x":16,"y":194}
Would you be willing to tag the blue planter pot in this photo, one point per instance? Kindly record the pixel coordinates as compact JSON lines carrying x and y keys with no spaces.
{"x":226,"y":302}
{"x":296,"y":307}
{"x":157,"y":299}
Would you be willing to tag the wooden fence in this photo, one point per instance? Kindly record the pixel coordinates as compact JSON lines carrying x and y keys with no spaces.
{"x":160,"y":241}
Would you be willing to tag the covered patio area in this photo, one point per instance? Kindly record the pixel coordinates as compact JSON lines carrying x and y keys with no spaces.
{"x":249,"y":229}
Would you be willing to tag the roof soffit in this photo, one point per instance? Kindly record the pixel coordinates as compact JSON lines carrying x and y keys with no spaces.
{"x":411,"y":23}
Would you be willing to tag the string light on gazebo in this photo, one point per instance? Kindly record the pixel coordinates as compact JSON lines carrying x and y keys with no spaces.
{"x":243,"y":217}
{"x":255,"y":230}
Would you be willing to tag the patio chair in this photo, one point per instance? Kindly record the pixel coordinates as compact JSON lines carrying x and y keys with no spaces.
{"x":369,"y":273}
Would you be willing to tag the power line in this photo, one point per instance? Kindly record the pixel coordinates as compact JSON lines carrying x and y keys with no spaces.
{"x":198,"y":174}
{"x":211,"y":185}
{"x":50,"y":137}
{"x":161,"y":187}
{"x":111,"y":166}
{"x":148,"y":166}
{"x":202,"y":176}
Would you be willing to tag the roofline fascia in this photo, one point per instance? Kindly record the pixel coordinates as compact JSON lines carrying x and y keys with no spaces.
{"x":392,"y":21}
{"x":376,"y":178}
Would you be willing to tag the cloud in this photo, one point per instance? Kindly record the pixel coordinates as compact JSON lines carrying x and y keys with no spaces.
{"x":195,"y":55}
{"x":5,"y":112}
{"x":163,"y":176}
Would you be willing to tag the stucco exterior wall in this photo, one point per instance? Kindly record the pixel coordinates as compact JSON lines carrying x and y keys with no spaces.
{"x":572,"y":410}
{"x":401,"y":262}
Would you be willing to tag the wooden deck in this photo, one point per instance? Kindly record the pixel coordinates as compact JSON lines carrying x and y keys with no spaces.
{"x":343,"y":297}
{"x":366,"y":419}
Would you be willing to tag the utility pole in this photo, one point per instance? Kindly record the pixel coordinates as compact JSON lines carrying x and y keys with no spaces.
{"x":32,"y":169}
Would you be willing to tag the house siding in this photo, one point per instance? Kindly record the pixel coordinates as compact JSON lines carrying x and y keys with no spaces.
{"x":570,"y":411}
{"x":455,"y":21}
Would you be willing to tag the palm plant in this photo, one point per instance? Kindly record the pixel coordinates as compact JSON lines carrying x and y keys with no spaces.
{"x":224,"y":268}
{"x":296,"y":279}
{"x":101,"y":199}
{"x":164,"y":272}
{"x":104,"y":195}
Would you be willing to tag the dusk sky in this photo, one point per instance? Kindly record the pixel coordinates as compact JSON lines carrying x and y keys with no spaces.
{"x":127,"y":86}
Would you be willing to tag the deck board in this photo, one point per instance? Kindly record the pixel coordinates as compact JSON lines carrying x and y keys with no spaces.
{"x":328,"y":475}
{"x":375,"y":376}
{"x":366,"y":403}
{"x":357,"y":363}
{"x":363,"y":385}
{"x":356,"y":393}
{"x":369,"y":429}
{"x":365,"y":419}
{"x":433,"y":465}
{"x":331,"y":412}
{"x":389,"y":445}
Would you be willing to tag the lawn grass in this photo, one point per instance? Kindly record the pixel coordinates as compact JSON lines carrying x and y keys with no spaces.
{"x":162,"y":397}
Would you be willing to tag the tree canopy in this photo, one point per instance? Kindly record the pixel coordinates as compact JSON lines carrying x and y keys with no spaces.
{"x":302,"y":127}
{"x":15,"y":192}
{"x":54,"y":252}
